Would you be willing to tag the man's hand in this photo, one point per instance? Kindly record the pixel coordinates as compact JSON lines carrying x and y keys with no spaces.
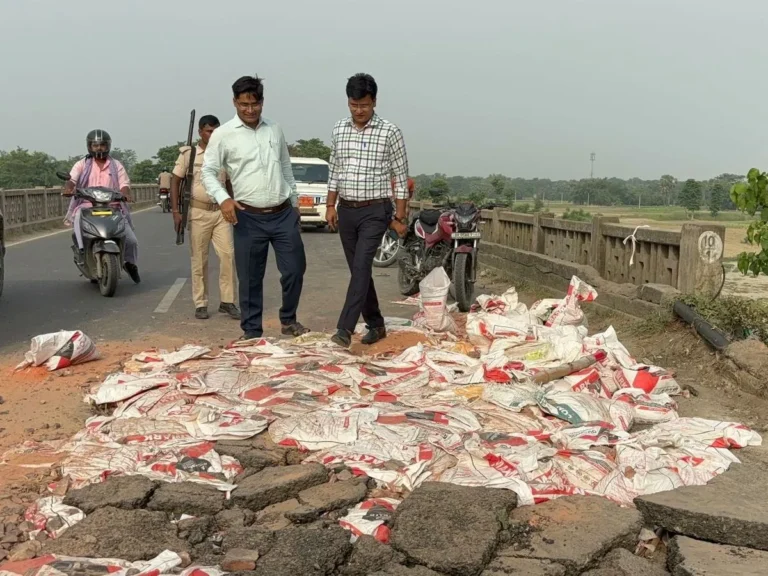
{"x":332,"y":217}
{"x":127,"y":195}
{"x":177,"y":221}
{"x":399,"y":227}
{"x":229,"y":210}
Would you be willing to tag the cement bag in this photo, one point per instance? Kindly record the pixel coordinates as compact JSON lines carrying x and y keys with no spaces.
{"x":59,"y":350}
{"x":434,"y":295}
{"x":565,"y":312}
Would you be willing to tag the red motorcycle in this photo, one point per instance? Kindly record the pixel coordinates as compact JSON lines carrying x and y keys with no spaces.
{"x":446,"y":237}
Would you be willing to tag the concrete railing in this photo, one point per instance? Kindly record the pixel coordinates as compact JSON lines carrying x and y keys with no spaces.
{"x":45,"y":206}
{"x":682,"y":260}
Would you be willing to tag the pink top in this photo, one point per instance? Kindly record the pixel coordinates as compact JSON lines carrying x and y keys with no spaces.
{"x":100,"y":174}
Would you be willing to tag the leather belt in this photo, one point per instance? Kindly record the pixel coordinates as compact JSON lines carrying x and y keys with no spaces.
{"x":271,"y":210}
{"x":362,"y":203}
{"x":200,"y":205}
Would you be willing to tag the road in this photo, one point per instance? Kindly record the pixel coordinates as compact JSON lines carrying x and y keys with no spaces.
{"x":44,"y":292}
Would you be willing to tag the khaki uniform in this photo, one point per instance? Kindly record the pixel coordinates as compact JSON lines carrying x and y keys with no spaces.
{"x":206,"y":225}
{"x":165,"y":180}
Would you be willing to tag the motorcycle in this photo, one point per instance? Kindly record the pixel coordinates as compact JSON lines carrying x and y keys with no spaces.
{"x":386,"y":255}
{"x":103,"y":233}
{"x":442,"y":237}
{"x":165,"y":200}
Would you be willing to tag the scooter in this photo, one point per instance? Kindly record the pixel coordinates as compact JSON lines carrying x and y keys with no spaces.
{"x":165,"y":200}
{"x":103,"y":233}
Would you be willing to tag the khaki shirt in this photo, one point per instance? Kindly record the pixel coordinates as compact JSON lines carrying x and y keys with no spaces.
{"x":180,"y":171}
{"x":165,"y":180}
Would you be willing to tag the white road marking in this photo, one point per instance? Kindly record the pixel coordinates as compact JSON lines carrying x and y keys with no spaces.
{"x":170,"y":296}
{"x":41,"y":236}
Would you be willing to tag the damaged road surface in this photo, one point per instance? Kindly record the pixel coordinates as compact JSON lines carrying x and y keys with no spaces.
{"x":521,"y":449}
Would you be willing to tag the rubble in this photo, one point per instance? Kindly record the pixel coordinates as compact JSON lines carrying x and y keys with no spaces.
{"x":574,"y":531}
{"x":305,"y":550}
{"x":234,"y":518}
{"x":114,"y":533}
{"x":187,"y":498}
{"x":399,"y":570}
{"x":273,"y":517}
{"x":126,"y":492}
{"x":326,"y":497}
{"x":238,"y":559}
{"x":621,"y":562}
{"x":25,"y":551}
{"x":504,"y":565}
{"x":273,"y":485}
{"x":196,"y":530}
{"x":690,"y":557}
{"x":717,"y":512}
{"x":370,"y":555}
{"x":451,"y":529}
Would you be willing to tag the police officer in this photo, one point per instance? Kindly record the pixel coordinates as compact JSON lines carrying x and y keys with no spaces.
{"x":206,"y":226}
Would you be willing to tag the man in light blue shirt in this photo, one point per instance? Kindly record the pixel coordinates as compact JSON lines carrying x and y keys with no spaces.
{"x":264,"y":207}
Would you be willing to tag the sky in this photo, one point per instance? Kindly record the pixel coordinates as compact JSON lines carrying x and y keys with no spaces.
{"x":526,"y":88}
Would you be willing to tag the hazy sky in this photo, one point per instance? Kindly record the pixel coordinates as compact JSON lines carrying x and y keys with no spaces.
{"x":526,"y":88}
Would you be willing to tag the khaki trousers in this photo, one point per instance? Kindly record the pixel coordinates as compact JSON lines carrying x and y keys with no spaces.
{"x":206,"y":227}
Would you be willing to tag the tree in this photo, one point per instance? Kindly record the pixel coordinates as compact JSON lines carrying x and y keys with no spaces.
{"x":752,"y":197}
{"x":690,"y":196}
{"x":127,"y":157}
{"x":717,"y":198}
{"x":667,"y":187}
{"x":498,"y":183}
{"x":167,"y":155}
{"x":538,"y":205}
{"x":21,"y":168}
{"x":439,"y":190}
{"x":314,"y":148}
{"x":146,"y":172}
{"x":509,"y":196}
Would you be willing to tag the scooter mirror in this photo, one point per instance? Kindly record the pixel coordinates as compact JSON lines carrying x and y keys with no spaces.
{"x":62,"y":175}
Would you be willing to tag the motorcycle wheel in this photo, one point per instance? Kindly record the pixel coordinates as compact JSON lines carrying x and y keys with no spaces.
{"x":110,"y":273}
{"x":463,"y":287}
{"x":386,"y":254}
{"x":408,"y":286}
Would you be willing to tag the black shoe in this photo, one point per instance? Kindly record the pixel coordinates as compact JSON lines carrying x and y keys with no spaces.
{"x":133,"y":272}
{"x":294,"y":330}
{"x":374,"y":335}
{"x":201,"y":313}
{"x":231,"y":309}
{"x":342,"y":338}
{"x":249,"y":336}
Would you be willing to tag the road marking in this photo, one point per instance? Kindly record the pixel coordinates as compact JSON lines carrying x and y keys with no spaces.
{"x":170,"y":296}
{"x":41,"y":236}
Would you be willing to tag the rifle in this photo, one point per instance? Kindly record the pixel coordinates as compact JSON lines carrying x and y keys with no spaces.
{"x":185,"y":189}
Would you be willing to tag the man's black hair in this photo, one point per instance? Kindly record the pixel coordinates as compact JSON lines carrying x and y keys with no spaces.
{"x":361,"y":85}
{"x":208,"y":120}
{"x":249,"y":85}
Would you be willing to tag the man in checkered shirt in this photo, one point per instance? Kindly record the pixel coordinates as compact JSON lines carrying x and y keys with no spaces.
{"x":367,"y":153}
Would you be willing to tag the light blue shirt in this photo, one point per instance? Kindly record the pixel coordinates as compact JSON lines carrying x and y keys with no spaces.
{"x":256,"y":161}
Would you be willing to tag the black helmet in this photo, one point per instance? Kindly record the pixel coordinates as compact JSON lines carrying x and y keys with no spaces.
{"x":95,"y":136}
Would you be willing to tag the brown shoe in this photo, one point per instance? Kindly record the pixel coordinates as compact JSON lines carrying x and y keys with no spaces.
{"x":201,"y":313}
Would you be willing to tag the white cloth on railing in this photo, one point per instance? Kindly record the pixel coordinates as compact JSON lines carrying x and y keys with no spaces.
{"x":634,"y":242}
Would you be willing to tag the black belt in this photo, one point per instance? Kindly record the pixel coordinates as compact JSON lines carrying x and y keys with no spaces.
{"x":270,"y":210}
{"x":362,"y":203}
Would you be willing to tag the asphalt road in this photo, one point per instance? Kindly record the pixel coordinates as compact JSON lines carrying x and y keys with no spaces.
{"x":45,"y":293}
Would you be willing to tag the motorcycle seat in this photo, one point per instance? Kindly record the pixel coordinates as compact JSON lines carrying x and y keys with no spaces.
{"x":428,"y":228}
{"x":429,"y":217}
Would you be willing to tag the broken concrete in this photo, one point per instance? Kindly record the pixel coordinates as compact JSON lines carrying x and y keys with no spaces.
{"x":273,"y":517}
{"x":718,"y":512}
{"x":196,"y":530}
{"x":126,"y":492}
{"x":370,"y":555}
{"x":400,"y":570}
{"x":505,"y":565}
{"x":273,"y":485}
{"x":234,"y":518}
{"x":305,"y":550}
{"x":575,"y":531}
{"x":238,"y":559}
{"x":115,"y":533}
{"x":248,"y":539}
{"x":250,"y":457}
{"x":326,"y":497}
{"x":621,"y":562}
{"x":187,"y":498}
{"x":25,"y":551}
{"x":449,"y":528}
{"x":690,"y":557}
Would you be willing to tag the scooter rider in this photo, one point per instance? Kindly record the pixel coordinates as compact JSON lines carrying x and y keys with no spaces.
{"x":98,"y":168}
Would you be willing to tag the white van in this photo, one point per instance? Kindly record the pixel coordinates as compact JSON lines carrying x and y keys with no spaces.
{"x":311,"y":175}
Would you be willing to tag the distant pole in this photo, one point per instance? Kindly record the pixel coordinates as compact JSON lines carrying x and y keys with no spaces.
{"x":592,"y":166}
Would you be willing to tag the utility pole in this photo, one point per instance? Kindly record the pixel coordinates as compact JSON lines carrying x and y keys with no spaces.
{"x":592,"y":167}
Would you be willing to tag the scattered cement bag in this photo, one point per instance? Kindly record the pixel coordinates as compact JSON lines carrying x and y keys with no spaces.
{"x":370,"y":518}
{"x":52,"y":516}
{"x":60,"y":350}
{"x":434,"y":312}
{"x":565,"y":312}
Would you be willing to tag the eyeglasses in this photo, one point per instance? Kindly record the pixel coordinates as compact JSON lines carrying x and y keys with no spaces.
{"x":249,"y":106}
{"x":360,"y":106}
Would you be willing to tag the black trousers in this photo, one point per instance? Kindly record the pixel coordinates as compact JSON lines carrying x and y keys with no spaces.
{"x":253,"y":234}
{"x":361,"y":231}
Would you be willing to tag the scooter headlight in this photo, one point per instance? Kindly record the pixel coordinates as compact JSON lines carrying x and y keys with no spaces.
{"x":101,"y":195}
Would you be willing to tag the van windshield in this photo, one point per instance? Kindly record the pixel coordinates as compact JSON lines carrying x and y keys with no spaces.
{"x":310,"y":173}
